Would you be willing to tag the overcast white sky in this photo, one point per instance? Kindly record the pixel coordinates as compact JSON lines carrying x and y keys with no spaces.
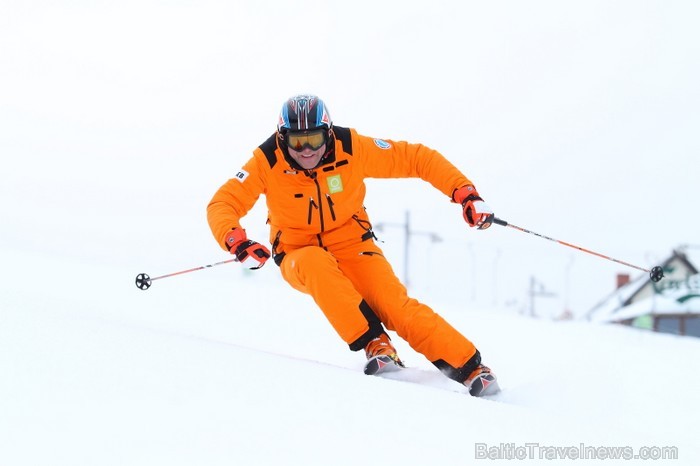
{"x":578,"y":120}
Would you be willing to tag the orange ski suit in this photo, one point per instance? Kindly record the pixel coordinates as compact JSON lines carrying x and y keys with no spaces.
{"x":323,"y":242}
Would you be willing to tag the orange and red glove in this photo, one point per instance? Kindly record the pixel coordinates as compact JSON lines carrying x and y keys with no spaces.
{"x":474,"y":210}
{"x":249,"y":253}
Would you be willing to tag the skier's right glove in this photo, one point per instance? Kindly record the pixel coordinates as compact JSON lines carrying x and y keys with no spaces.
{"x":249,"y":253}
{"x":474,"y":210}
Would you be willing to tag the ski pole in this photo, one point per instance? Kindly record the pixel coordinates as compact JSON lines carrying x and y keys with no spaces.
{"x":655,"y":273}
{"x":143,"y":281}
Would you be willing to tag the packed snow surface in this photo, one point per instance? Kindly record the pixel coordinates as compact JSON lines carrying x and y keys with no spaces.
{"x":222,"y":367}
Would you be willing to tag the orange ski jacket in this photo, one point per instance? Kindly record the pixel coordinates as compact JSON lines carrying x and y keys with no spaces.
{"x":323,"y":206}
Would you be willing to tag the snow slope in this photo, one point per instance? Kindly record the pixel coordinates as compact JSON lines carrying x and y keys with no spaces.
{"x":221,"y":367}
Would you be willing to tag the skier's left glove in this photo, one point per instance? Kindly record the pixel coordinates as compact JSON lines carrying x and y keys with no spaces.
{"x":474,"y":210}
{"x":249,"y":253}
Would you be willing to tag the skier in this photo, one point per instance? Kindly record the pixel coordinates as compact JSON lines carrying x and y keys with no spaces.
{"x":312,"y":175}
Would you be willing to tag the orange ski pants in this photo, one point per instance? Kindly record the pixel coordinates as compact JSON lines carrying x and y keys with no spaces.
{"x":340,"y":278}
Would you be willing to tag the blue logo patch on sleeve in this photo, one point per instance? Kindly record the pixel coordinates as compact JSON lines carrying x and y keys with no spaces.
{"x":382,"y":144}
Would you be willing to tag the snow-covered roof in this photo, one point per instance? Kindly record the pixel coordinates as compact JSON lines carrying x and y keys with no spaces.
{"x":657,"y":305}
{"x":691,"y":252}
{"x":604,"y":310}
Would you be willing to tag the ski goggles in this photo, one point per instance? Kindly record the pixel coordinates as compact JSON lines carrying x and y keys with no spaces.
{"x":300,"y":141}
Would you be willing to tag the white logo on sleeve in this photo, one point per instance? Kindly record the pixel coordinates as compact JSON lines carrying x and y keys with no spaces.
{"x":241,"y":175}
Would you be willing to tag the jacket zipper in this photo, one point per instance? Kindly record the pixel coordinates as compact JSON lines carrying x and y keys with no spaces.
{"x":312,"y":206}
{"x":330,"y":206}
{"x":319,"y":207}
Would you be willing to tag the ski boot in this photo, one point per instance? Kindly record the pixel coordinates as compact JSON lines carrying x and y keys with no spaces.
{"x":482,"y":382}
{"x":381,"y":356}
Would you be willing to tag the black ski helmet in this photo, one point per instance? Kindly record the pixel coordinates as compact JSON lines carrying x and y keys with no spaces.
{"x":303,"y":113}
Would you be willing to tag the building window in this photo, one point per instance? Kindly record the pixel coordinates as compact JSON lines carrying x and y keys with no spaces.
{"x":668,"y":325}
{"x":692,"y":326}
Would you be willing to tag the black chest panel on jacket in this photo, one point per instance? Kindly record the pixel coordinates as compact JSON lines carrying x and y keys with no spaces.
{"x":268,"y":148}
